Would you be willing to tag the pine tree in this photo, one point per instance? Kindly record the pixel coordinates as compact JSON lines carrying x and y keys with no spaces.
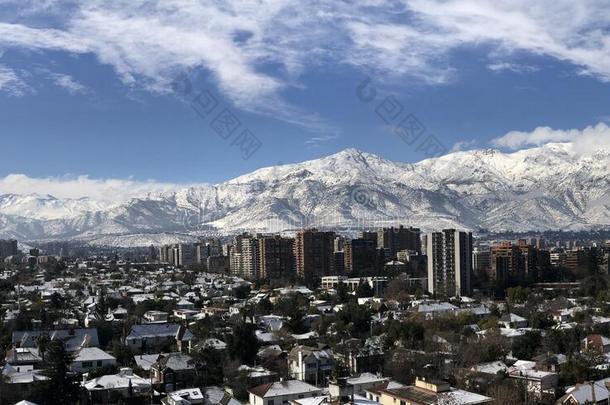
{"x":62,"y":384}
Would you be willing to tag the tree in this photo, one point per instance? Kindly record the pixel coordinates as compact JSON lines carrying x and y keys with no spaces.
{"x":242,"y":344}
{"x":121,"y":352}
{"x":238,"y":380}
{"x":525,"y":347}
{"x":398,"y":290}
{"x":340,"y":369}
{"x":62,"y":384}
{"x":364,"y":290}
{"x":208,"y":366}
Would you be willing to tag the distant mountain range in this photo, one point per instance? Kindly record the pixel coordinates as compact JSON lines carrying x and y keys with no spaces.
{"x":544,"y":188}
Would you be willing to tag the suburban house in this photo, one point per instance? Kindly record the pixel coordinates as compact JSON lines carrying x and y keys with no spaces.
{"x":598,"y":343}
{"x":428,"y":392}
{"x":310,"y":365}
{"x":280,"y":393}
{"x":110,"y":388}
{"x":173,"y":371}
{"x":91,"y":357}
{"x":594,"y":392}
{"x":73,"y":339}
{"x":512,"y":321}
{"x":158,"y":337}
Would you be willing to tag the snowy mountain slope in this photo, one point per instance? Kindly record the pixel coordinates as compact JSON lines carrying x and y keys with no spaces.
{"x":550,"y":187}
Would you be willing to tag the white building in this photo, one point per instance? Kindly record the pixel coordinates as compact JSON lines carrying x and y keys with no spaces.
{"x":89,"y":358}
{"x":280,"y":393}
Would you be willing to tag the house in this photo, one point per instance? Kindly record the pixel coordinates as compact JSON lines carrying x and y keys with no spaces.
{"x":538,"y":383}
{"x":110,"y":388}
{"x":258,"y":375}
{"x":19,"y":382}
{"x":561,"y":315}
{"x":22,"y":355}
{"x":512,"y":321}
{"x":280,"y":393}
{"x":188,"y":396}
{"x":73,"y":339}
{"x":173,"y":371}
{"x":310,"y":365}
{"x":429,"y":392}
{"x":364,"y":381}
{"x":594,"y":392}
{"x":89,"y":358}
{"x":193,"y":396}
{"x":155,"y":317}
{"x":598,"y":343}
{"x":158,"y":337}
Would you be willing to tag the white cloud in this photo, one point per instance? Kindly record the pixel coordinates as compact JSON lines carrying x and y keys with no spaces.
{"x":512,"y":67}
{"x":67,"y":82}
{"x":11,"y":83}
{"x":584,"y":141}
{"x":463,"y":145}
{"x":318,"y":140}
{"x":255,"y":50}
{"x":108,"y":190}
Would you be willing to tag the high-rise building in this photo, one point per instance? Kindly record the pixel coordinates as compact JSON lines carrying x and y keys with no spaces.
{"x":507,"y":264}
{"x":370,"y":235}
{"x":179,"y":255}
{"x":449,"y":263}
{"x":313,"y":251}
{"x":276,"y":256}
{"x":481,"y":259}
{"x":339,"y":262}
{"x":245,"y":257}
{"x":8,"y":248}
{"x":218,"y":264}
{"x":401,"y":238}
{"x":236,"y":263}
{"x":186,"y":254}
{"x":361,"y":257}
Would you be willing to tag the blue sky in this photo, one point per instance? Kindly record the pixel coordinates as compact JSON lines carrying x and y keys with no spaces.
{"x":86,"y":90}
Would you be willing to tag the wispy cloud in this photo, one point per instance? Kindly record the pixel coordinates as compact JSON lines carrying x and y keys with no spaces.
{"x":512,"y":67}
{"x":12,"y":83}
{"x":318,"y":140}
{"x":69,"y":83}
{"x":256,"y":50}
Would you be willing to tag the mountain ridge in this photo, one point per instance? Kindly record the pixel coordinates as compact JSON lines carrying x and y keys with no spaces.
{"x":543,"y":188}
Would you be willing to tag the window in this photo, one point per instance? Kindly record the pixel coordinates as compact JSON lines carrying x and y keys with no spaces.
{"x":99,"y":363}
{"x":270,"y":402}
{"x":402,"y":403}
{"x":86,"y":364}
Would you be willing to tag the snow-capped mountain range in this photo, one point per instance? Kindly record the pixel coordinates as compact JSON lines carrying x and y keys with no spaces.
{"x":549,"y":187}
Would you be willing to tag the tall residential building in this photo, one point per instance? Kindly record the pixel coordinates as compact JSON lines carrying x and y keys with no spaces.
{"x":8,"y":248}
{"x":276,"y":256}
{"x":313,"y":251}
{"x":481,"y":259}
{"x":236,"y":263}
{"x":178,"y":255}
{"x":244,"y":256}
{"x":186,"y":254}
{"x":507,"y":264}
{"x":401,"y":238}
{"x":361,"y":257}
{"x":449,"y":263}
{"x":339,"y":262}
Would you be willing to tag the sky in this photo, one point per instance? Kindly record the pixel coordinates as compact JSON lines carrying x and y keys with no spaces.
{"x":134,"y":94}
